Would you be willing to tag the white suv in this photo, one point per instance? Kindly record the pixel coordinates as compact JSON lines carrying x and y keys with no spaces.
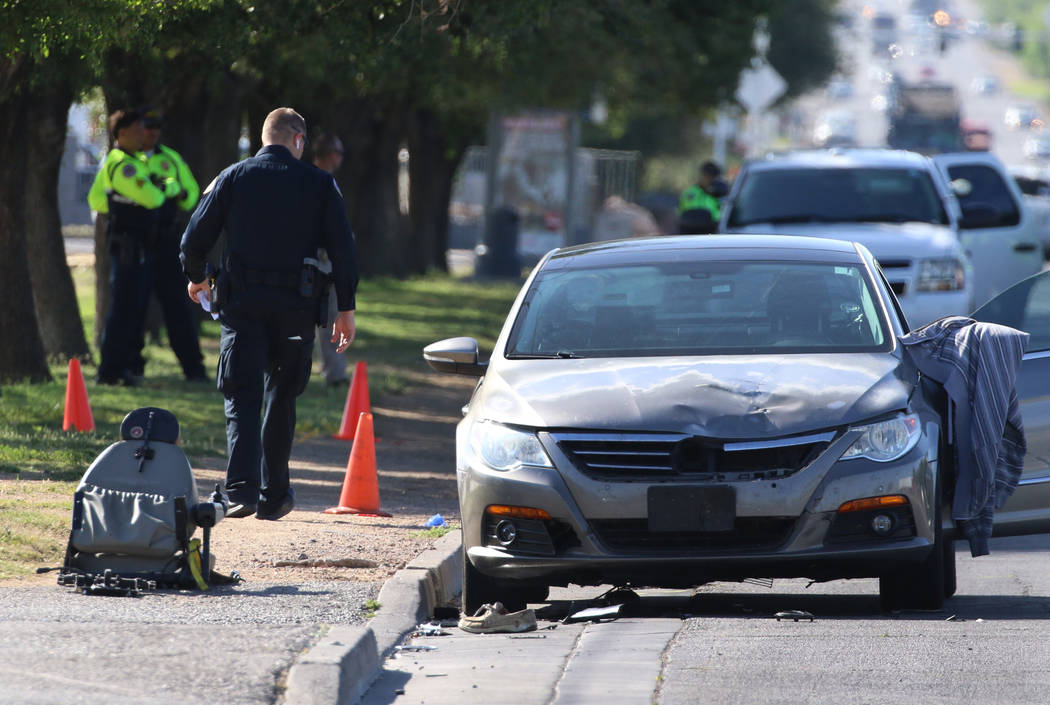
{"x":895,"y":203}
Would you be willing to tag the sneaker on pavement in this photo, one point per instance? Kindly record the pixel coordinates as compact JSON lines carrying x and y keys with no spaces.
{"x":494,"y":618}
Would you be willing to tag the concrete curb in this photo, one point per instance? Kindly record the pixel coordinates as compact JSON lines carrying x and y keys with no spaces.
{"x":340,"y":668}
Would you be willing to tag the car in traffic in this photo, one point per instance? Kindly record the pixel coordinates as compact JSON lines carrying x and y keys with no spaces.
{"x":985,"y":84}
{"x":1034,"y":183}
{"x":673,"y":411}
{"x":1037,"y":147}
{"x":1021,"y":117}
{"x":999,"y":233}
{"x":837,"y":128}
{"x":896,"y":203}
{"x":976,"y":135}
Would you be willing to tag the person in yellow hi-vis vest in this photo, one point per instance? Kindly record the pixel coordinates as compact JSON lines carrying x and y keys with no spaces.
{"x":699,"y":208}
{"x":170,"y":173}
{"x":123,"y":190}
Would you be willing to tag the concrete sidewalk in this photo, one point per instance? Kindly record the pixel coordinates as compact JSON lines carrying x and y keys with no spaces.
{"x":339,"y":669}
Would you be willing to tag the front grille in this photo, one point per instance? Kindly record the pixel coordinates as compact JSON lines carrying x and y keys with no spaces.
{"x":748,"y":534}
{"x":656,"y":457}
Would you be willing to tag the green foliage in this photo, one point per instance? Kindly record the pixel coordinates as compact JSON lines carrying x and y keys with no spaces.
{"x":1035,"y":50}
{"x":34,"y":524}
{"x":800,"y":48}
{"x":41,"y":28}
{"x":435,"y":532}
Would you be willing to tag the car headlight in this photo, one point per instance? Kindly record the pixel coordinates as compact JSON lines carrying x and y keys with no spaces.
{"x":947,"y":274}
{"x":886,"y":440}
{"x":504,"y":448}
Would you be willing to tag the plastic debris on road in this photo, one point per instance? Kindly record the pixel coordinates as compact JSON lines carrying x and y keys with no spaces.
{"x":793,"y":615}
{"x":435,"y":521}
{"x":415,"y":647}
{"x":430,"y":630}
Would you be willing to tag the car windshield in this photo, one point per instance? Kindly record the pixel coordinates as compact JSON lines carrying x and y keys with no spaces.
{"x":698,"y":308}
{"x":837,"y":195}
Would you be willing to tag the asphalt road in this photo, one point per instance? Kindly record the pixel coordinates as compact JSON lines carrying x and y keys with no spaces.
{"x":722,"y":645}
{"x":230,"y":645}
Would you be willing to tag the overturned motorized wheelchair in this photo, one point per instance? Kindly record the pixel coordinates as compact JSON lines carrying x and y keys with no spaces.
{"x":135,"y":512}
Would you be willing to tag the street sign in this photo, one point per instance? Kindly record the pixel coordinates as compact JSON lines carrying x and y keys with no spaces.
{"x":759,"y":87}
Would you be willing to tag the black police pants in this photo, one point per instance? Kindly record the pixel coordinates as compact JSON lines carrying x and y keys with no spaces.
{"x":129,"y":285}
{"x":264,"y":364}
{"x":169,"y":284}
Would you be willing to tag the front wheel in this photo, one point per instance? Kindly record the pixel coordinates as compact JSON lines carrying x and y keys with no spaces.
{"x":479,"y":589}
{"x":925,"y":585}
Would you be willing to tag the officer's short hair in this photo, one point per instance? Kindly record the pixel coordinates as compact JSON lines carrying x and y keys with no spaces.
{"x":120,"y":119}
{"x":282,"y":123}
{"x":324,"y":143}
{"x":711,"y":169}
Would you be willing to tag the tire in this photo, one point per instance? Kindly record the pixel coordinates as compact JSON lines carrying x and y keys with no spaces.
{"x":922,"y":586}
{"x":479,"y":589}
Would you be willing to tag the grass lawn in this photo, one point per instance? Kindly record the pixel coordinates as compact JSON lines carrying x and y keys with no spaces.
{"x":40,"y":464}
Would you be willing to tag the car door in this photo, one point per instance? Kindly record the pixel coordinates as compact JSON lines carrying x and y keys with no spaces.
{"x":1005,"y":248}
{"x":1026,"y":306}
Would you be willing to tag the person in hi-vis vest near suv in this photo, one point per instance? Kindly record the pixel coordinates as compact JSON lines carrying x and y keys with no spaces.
{"x":124,"y":191}
{"x":171,"y":174}
{"x":699,"y":208}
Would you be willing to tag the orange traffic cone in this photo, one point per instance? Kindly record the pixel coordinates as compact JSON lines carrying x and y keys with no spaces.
{"x":357,"y":403}
{"x":360,"y":493}
{"x":78,"y":410}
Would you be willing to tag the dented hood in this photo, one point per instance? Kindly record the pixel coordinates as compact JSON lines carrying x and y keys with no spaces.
{"x":730,"y":397}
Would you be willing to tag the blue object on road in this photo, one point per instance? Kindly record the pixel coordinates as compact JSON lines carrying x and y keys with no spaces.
{"x":436,"y":520}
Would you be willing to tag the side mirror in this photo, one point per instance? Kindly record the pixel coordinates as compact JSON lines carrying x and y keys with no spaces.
{"x":962,"y":187}
{"x":456,"y":356}
{"x":979,"y":215}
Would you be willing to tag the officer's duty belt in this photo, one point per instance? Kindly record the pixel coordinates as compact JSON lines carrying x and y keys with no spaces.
{"x":288,"y":280}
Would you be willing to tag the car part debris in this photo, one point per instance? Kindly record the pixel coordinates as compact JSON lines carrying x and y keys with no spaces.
{"x":430,"y":630}
{"x":592,"y":614}
{"x":793,"y":615}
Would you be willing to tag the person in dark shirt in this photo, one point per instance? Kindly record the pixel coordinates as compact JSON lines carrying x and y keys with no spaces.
{"x":276,"y":211}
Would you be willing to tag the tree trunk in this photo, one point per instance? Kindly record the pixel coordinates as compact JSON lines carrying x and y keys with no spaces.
{"x":54,"y":295}
{"x":372,"y":136}
{"x":433,"y":160}
{"x":22,"y":352}
{"x":101,"y":277}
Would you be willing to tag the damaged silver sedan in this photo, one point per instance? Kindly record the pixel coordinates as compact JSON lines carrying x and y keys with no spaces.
{"x":672,"y":411}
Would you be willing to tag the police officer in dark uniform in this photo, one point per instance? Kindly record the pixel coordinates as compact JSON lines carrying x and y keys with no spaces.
{"x":276,"y":211}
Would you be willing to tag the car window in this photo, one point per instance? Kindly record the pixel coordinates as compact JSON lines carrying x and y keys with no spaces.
{"x":837,"y":195}
{"x":699,"y":308}
{"x":1025,"y":306}
{"x":988,"y":188}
